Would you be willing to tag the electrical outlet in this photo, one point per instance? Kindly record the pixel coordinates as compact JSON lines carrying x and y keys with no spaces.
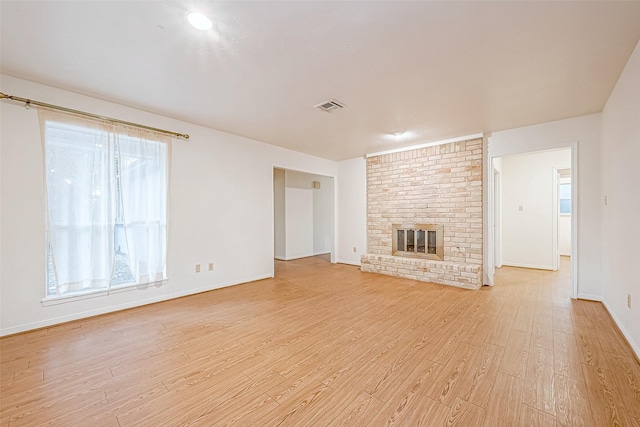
{"x":629,"y":300}
{"x":520,"y":208}
{"x":355,"y":249}
{"x":210,"y":266}
{"x":197,"y":268}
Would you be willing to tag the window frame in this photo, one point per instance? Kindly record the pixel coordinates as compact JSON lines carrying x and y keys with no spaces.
{"x":561,"y":199}
{"x":52,"y":298}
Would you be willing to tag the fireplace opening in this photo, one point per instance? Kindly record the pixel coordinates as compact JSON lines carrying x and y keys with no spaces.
{"x":418,"y":240}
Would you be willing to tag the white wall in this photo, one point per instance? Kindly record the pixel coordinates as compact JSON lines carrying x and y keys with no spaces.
{"x":352,"y":210}
{"x":620,"y":238}
{"x":323,"y":215}
{"x":585,"y":132}
{"x":279,"y":224}
{"x":218,"y":180}
{"x":321,"y":221}
{"x":299,"y":220}
{"x":528,"y":183}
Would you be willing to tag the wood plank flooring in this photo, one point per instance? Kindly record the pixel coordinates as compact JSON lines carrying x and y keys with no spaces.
{"x":325,"y":345}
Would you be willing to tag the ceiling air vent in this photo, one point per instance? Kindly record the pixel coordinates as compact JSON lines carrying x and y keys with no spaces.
{"x":329,"y":105}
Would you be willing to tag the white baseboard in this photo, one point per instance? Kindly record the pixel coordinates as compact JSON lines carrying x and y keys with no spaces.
{"x":302,"y":256}
{"x":537,"y":267}
{"x":111,"y":309}
{"x":589,"y":297}
{"x":356,"y":263}
{"x":634,"y":346}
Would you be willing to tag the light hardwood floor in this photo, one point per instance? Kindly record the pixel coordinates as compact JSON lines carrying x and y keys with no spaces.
{"x":325,"y":344}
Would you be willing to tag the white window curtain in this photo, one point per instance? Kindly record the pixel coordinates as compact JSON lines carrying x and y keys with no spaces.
{"x":144,"y":182}
{"x":106,"y":201}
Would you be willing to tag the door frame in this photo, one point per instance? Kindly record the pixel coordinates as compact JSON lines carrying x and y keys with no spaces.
{"x":555,"y":253}
{"x":497,"y":219}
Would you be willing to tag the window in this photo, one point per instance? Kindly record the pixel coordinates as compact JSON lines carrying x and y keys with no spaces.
{"x":106,"y":200}
{"x":565,"y":199}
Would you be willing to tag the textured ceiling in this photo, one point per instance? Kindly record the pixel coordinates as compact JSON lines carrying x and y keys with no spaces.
{"x":434,"y":70}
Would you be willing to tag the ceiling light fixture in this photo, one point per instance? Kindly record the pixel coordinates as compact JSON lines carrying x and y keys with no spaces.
{"x":397,"y":136}
{"x":401,"y":136}
{"x":199,"y":21}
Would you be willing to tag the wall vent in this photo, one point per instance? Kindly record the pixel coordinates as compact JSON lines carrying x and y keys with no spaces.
{"x":329,"y":105}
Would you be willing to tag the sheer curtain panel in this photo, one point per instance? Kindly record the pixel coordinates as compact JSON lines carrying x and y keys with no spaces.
{"x":106,"y":204}
{"x":144,"y":183}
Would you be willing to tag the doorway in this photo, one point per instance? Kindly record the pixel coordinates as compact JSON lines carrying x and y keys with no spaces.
{"x":527,"y":197}
{"x":564,"y":212}
{"x":303,"y":215}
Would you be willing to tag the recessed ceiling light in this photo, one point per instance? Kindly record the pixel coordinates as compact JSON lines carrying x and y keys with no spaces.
{"x":401,"y":136}
{"x":199,"y":21}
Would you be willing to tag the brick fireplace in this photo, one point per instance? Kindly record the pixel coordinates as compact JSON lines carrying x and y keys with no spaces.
{"x":410,"y":194}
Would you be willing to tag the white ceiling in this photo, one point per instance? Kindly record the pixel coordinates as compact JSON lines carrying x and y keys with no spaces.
{"x":436,"y":69}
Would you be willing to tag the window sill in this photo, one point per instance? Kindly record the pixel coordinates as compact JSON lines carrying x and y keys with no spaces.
{"x":63,"y":299}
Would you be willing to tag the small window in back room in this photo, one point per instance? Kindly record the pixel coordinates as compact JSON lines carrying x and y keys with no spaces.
{"x":565,"y":199}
